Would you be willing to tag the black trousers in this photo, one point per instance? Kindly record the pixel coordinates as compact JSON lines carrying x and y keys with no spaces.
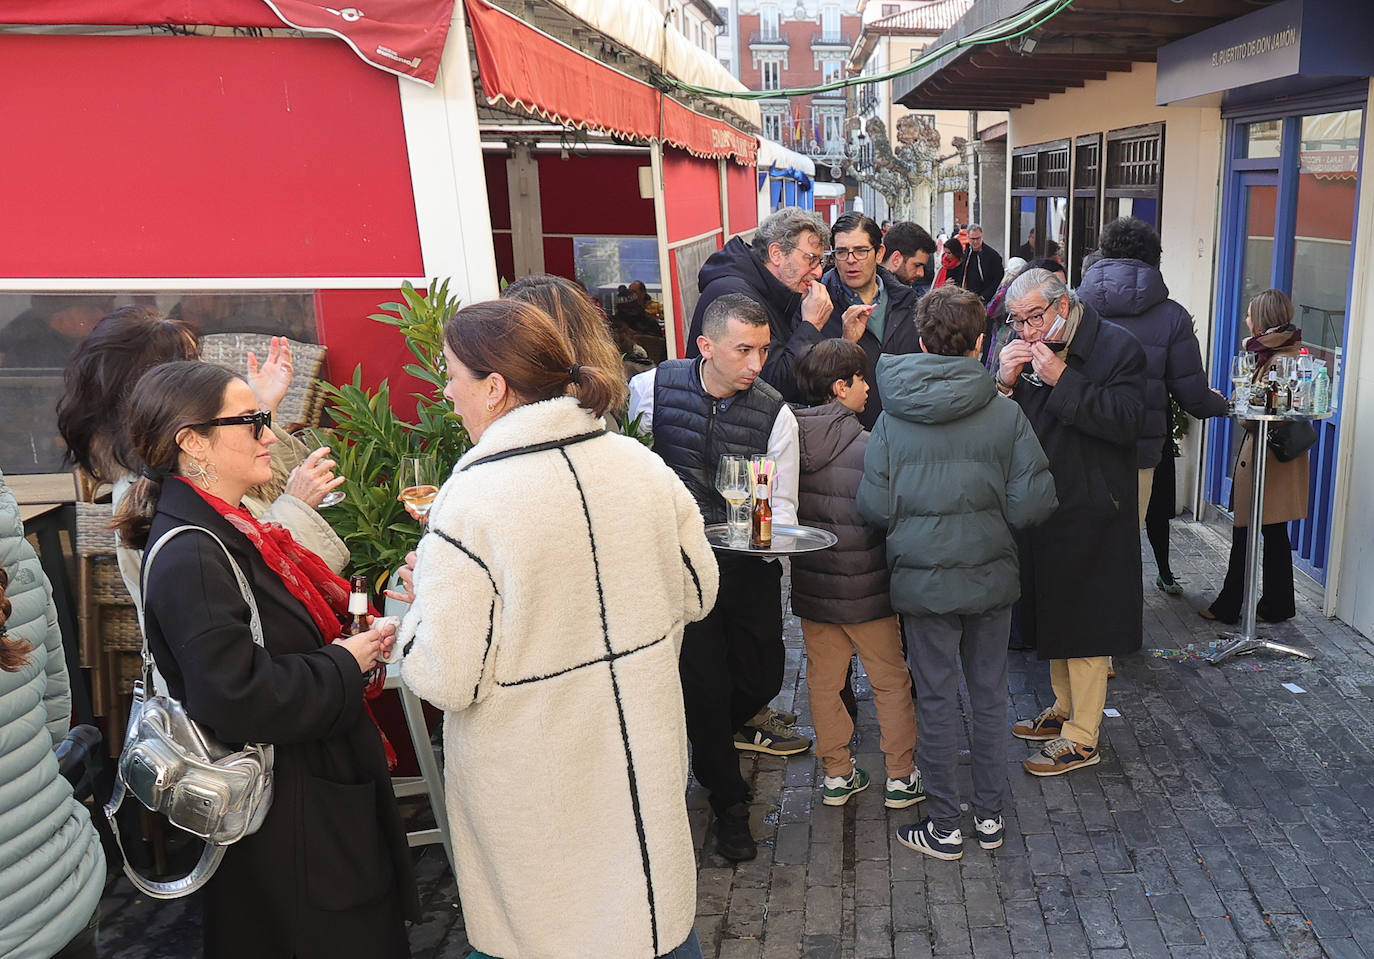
{"x":731,"y":667}
{"x":1160,"y":510}
{"x":1276,"y":576}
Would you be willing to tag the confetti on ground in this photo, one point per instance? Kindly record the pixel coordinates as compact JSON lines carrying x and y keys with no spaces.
{"x":1293,"y":688}
{"x":1112,"y":713}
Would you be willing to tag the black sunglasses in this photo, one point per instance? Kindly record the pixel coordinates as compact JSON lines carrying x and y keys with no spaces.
{"x":260,"y":421}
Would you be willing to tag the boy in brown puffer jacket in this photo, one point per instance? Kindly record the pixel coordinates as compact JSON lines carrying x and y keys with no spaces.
{"x":841,"y":594}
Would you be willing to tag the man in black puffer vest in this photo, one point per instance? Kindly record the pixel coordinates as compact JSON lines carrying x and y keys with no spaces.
{"x":731,"y":661}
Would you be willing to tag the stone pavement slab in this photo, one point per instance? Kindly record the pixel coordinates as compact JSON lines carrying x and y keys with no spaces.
{"x":1229,"y":817}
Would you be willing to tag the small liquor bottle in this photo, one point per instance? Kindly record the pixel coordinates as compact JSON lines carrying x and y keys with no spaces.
{"x":761,"y":521}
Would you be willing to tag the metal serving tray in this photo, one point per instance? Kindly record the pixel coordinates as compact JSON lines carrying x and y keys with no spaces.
{"x":787,"y":540}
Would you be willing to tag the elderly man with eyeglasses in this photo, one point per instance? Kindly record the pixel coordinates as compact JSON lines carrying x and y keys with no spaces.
{"x":1081,"y":382}
{"x":871,"y":306}
{"x":780,"y":271}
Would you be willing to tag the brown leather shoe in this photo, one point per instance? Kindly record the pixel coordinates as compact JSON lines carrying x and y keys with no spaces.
{"x":1043,"y":728}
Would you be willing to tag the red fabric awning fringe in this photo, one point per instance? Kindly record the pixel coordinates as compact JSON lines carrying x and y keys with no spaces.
{"x":524,"y":67}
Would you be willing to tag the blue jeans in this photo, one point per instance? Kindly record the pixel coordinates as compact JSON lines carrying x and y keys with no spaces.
{"x":691,"y":949}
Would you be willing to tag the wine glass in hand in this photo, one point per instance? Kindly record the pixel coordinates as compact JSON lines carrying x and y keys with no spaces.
{"x":313,"y":439}
{"x":419,"y":482}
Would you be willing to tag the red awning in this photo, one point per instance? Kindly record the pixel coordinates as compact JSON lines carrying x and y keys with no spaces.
{"x":405,"y":37}
{"x":523,"y":67}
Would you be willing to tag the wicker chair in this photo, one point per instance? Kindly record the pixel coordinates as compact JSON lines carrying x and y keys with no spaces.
{"x":304,"y":402}
{"x":110,"y":638}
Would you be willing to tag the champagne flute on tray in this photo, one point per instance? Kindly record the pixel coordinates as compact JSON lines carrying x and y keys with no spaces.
{"x":419,"y":482}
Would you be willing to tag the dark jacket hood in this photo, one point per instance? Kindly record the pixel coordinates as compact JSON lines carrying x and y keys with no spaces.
{"x":1122,"y":287}
{"x":926,"y":388}
{"x":824,"y":432}
{"x":737,"y":259}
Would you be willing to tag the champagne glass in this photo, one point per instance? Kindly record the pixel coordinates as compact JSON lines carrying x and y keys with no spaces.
{"x":313,"y":439}
{"x":732,"y":481}
{"x":1240,"y":380}
{"x":419,"y":482}
{"x":1027,"y":372}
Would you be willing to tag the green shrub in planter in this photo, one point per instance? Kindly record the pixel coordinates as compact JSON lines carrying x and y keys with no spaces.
{"x":371,"y":439}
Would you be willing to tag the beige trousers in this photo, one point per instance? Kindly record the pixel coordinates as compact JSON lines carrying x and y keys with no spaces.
{"x":879,"y":645}
{"x":1080,"y":692}
{"x":1145,"y":484}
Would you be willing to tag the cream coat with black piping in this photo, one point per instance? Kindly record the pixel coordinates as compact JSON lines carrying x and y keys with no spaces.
{"x":551,"y":593}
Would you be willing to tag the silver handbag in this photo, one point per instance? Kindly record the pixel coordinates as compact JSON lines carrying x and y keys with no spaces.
{"x":175,"y":767}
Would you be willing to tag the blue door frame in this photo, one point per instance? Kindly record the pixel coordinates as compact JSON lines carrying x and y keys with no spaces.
{"x":1311,"y":536}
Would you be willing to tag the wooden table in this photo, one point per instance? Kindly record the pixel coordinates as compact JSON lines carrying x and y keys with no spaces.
{"x":46,"y":509}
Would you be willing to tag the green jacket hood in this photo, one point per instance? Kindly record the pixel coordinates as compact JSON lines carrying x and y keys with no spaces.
{"x":927,"y":388}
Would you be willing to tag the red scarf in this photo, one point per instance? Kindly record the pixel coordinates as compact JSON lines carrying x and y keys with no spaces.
{"x":322,"y":592}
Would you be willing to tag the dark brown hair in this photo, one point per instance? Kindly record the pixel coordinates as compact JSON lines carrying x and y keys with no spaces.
{"x":168,"y":399}
{"x":1270,"y":310}
{"x":581,"y":324}
{"x":949,"y":320}
{"x":519,"y":341}
{"x":101,"y":373}
{"x":14,"y":653}
{"x":826,"y":362}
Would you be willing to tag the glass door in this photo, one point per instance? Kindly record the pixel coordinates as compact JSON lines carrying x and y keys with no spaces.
{"x":1289,"y":223}
{"x":1251,"y":237}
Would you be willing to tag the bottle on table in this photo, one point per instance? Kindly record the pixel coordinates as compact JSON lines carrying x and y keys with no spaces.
{"x":761,"y":521}
{"x":1271,"y":394}
{"x":1321,"y":391}
{"x":1301,"y":383}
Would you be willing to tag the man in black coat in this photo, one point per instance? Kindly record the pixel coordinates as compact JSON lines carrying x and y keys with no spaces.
{"x":1126,"y":287}
{"x":982,"y":269}
{"x":780,"y":271}
{"x":871,"y":307}
{"x":907,"y":251}
{"x":1080,"y":572}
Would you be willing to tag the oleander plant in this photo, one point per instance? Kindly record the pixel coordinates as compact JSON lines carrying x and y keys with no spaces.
{"x":371,"y":439}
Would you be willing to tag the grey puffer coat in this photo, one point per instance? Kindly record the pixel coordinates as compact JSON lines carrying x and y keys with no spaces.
{"x":52,"y":868}
{"x":951,"y":469}
{"x":848,"y":582}
{"x":1132,"y":294}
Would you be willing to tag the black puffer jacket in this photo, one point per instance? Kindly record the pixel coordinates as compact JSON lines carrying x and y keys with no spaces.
{"x":848,"y":582}
{"x":899,"y":331}
{"x":734,"y":268}
{"x":1133,"y":295}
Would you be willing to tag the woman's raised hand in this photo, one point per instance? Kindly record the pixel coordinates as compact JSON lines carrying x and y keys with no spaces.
{"x":407,"y":574}
{"x":272,"y":378}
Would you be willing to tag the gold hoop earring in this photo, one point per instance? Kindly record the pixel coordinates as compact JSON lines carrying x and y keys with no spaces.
{"x":491,"y":407}
{"x":203,"y":473}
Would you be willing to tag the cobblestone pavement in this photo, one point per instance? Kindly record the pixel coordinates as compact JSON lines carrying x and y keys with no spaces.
{"x":1230,"y":816}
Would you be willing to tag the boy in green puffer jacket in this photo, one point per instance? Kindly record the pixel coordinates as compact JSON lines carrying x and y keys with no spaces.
{"x":951,"y":469}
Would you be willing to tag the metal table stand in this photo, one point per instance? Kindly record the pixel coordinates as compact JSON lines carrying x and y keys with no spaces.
{"x":1247,"y":640}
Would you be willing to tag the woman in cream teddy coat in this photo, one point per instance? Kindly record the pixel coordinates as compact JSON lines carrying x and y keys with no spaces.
{"x":550,"y":592}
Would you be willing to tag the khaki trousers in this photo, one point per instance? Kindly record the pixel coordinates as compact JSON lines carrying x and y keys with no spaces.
{"x":879,"y":645}
{"x":1145,"y":484}
{"x":1080,"y":692}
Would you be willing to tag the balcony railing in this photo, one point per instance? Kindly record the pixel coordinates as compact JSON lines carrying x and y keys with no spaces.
{"x":773,"y":38}
{"x":807,"y":143}
{"x":824,"y":39}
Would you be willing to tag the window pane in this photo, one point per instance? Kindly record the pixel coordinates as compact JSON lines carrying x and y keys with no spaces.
{"x":1262,"y":140}
{"x":1328,"y":166}
{"x":606,"y":262}
{"x":38,"y":333}
{"x":1023,"y":226}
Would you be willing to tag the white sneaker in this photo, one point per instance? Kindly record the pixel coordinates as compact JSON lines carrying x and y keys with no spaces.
{"x":901,"y":793}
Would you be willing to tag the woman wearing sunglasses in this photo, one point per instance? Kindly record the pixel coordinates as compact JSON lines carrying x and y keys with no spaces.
{"x":329,"y":872}
{"x":94,"y":412}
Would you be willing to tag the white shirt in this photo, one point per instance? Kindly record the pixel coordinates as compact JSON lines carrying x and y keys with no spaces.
{"x":783,"y":445}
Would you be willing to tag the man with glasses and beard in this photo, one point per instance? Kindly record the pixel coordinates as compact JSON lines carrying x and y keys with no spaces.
{"x":982,"y":268}
{"x":780,"y":271}
{"x":871,"y":306}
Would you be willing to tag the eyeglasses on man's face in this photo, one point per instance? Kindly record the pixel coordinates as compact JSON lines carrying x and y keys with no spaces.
{"x":812,"y":259}
{"x":855,"y":254}
{"x":1036,"y":320}
{"x":260,"y":421}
